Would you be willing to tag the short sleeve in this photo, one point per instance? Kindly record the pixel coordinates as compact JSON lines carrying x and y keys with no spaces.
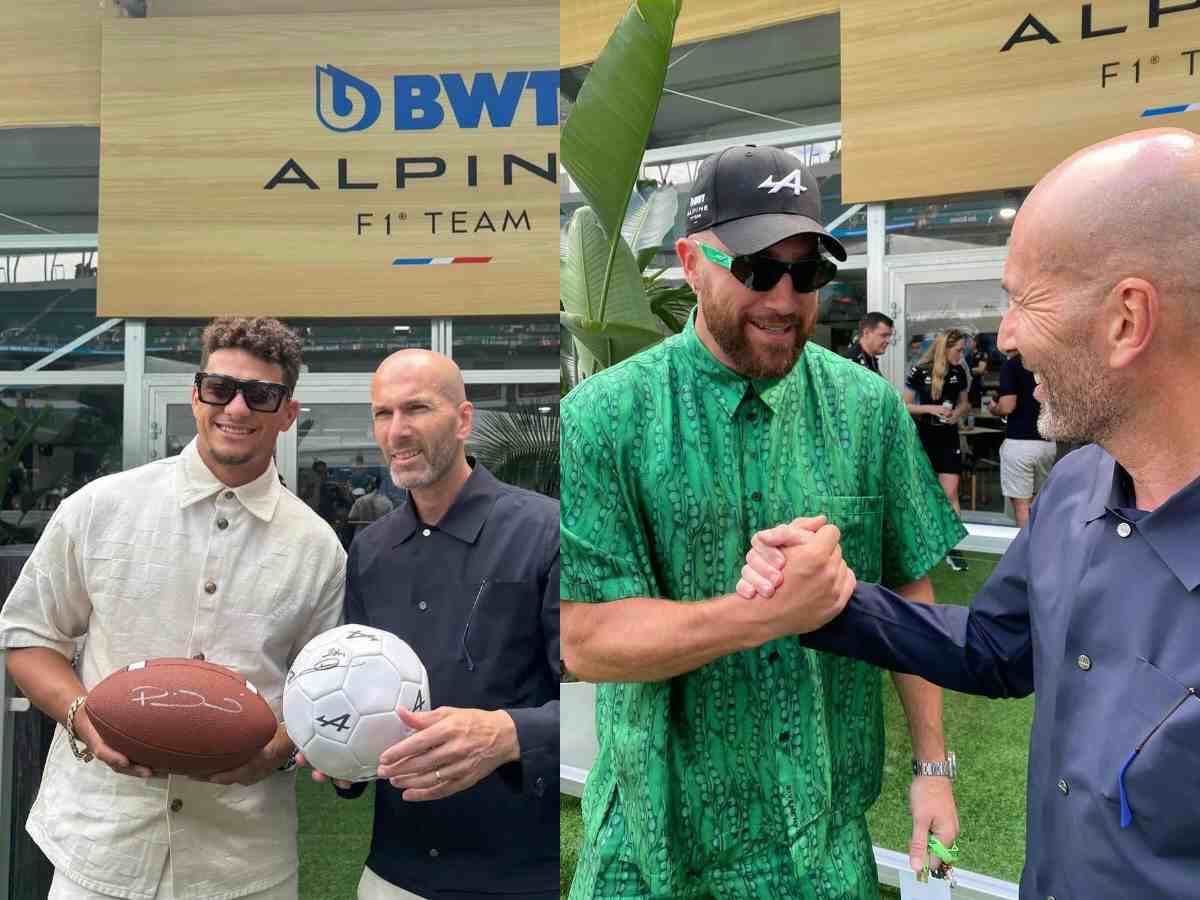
{"x":1008,"y":379}
{"x":603,"y":546}
{"x":919,"y":524}
{"x":914,"y":381}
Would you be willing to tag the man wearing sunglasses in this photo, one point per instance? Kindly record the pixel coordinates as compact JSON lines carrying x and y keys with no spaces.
{"x":202,"y":555}
{"x":732,"y":763}
{"x":1095,"y":607}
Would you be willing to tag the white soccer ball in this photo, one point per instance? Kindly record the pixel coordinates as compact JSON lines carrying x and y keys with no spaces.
{"x":341,"y":694}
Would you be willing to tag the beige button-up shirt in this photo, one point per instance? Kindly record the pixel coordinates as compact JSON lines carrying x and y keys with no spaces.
{"x":126,"y":561}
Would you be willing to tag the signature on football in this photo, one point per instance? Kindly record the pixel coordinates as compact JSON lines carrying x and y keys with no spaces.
{"x":181,"y":698}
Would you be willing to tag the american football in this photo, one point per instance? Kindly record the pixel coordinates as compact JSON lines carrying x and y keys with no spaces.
{"x":181,"y":716}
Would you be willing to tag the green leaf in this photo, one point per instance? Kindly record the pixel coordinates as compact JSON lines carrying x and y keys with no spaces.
{"x":609,"y":342}
{"x":519,"y":446}
{"x":650,"y":220}
{"x":606,"y":133}
{"x":645,"y":257}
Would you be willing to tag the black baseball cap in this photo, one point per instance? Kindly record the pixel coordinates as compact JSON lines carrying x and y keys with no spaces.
{"x":752,"y":197}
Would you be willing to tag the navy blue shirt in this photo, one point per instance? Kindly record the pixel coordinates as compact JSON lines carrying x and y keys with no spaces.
{"x":862,"y":357}
{"x":1095,"y":608}
{"x":1016,"y":380}
{"x":476,"y":596}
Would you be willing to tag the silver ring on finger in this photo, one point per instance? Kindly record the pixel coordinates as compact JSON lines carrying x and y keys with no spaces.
{"x":438,"y":774}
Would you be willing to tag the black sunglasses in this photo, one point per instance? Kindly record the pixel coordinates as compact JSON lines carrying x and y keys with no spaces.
{"x":260,"y":396}
{"x":760,"y":272}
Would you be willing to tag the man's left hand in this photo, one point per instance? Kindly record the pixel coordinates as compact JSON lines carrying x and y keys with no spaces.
{"x":933,"y":810}
{"x":268,"y":760}
{"x":452,"y":750}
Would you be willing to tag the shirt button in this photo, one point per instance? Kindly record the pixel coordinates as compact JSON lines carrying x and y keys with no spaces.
{"x":210,"y":587}
{"x":199,"y":656}
{"x":1063,"y":787}
{"x":229,"y":495}
{"x":433,"y":852}
{"x":176,"y":805}
{"x":422,"y":606}
{"x":783,"y":738}
{"x":425,"y":532}
{"x":756,"y":496}
{"x":222,"y":523}
{"x":752,"y":417}
{"x":1124,"y":530}
{"x":539,"y":786}
{"x":774,"y":657}
{"x":1084,"y":662}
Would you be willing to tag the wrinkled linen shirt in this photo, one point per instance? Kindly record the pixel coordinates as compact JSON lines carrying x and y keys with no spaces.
{"x":164,"y":560}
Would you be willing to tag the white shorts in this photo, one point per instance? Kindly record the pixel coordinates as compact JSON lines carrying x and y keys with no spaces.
{"x":63,"y":888}
{"x":1024,"y":467}
{"x":372,"y":887}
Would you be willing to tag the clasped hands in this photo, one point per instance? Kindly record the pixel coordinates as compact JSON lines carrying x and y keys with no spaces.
{"x":799,"y":567}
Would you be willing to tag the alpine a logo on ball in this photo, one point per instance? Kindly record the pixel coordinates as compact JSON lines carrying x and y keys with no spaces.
{"x":345,"y":102}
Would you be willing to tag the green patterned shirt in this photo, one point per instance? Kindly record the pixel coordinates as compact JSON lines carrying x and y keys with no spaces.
{"x":670,"y":462}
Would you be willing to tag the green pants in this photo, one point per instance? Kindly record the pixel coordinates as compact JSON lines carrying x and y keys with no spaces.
{"x":607,"y":870}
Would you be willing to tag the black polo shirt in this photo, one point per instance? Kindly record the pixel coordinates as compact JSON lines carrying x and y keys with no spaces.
{"x":920,"y":382}
{"x":476,"y":596}
{"x":862,"y":357}
{"x":1018,"y":381}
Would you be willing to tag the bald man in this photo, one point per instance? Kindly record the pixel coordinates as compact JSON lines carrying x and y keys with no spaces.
{"x":466,"y":571}
{"x":1095,"y":606}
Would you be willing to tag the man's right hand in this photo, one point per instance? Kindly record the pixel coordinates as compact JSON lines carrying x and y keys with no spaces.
{"x":797,"y":572}
{"x":321,"y":776}
{"x":118,"y":762}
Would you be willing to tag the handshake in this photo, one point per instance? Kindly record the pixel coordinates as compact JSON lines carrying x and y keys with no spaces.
{"x":798,"y":568}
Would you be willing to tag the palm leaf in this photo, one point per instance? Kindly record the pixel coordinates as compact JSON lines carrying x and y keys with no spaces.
{"x":520,"y":447}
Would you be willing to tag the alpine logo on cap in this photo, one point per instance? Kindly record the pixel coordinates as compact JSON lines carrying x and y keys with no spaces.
{"x":791,"y":180}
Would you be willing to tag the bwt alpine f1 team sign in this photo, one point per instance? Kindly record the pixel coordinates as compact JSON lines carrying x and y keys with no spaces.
{"x":939,"y":98}
{"x":370,"y":164}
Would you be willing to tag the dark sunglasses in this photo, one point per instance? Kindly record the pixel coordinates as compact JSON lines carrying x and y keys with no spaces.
{"x":260,"y":396}
{"x":761,"y":273}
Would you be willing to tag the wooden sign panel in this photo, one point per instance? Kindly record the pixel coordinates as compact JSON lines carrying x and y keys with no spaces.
{"x":50,"y":61}
{"x":367,"y":164}
{"x":587,"y":24}
{"x":941,"y":98}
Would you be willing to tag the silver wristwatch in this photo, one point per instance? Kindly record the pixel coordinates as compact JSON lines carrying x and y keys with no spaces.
{"x":947,"y":767}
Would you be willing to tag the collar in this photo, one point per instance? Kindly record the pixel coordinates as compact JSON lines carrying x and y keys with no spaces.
{"x":1171,"y":530}
{"x":727,"y":386}
{"x":467,"y":514}
{"x":194,"y":481}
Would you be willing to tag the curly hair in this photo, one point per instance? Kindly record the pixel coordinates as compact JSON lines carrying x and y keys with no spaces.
{"x":268,"y":339}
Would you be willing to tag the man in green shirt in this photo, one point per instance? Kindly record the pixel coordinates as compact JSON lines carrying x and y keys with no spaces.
{"x":732,"y":762}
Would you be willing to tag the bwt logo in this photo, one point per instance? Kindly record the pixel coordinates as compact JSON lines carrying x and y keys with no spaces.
{"x":347,"y":103}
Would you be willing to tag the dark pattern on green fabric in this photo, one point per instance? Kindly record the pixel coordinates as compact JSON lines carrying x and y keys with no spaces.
{"x":670,"y":463}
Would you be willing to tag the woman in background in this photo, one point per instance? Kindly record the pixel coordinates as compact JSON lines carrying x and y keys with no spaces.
{"x":936,"y":395}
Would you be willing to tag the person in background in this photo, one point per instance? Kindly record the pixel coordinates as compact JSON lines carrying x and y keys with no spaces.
{"x":1026,"y":458}
{"x":874,"y":334}
{"x":936,"y":395}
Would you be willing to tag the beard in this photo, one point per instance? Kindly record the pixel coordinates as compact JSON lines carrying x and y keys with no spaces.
{"x":1083,"y":403}
{"x":439,"y":455}
{"x":729,"y":326}
{"x":230,"y":459}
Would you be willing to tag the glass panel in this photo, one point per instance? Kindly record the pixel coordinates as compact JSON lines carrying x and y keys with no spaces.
{"x":76,"y":438}
{"x":181,"y":427}
{"x":841,"y":304}
{"x":957,"y":222}
{"x":973,"y":307}
{"x":329,"y":345}
{"x":517,"y":342}
{"x":51,"y":180}
{"x":48,"y":300}
{"x":338,"y":462}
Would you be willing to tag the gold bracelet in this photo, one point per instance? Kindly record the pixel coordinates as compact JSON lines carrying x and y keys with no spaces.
{"x":85,"y":754}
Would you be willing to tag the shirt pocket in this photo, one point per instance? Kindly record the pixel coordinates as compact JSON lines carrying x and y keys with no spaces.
{"x":503,"y":623}
{"x":859,"y":519}
{"x":1162,"y":782}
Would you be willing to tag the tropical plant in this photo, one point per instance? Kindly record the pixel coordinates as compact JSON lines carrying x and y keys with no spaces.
{"x":519,"y":446}
{"x":607,"y":308}
{"x":18,"y":434}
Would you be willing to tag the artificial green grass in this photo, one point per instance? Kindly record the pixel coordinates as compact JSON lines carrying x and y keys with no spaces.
{"x":990,"y":738}
{"x":334,"y":836}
